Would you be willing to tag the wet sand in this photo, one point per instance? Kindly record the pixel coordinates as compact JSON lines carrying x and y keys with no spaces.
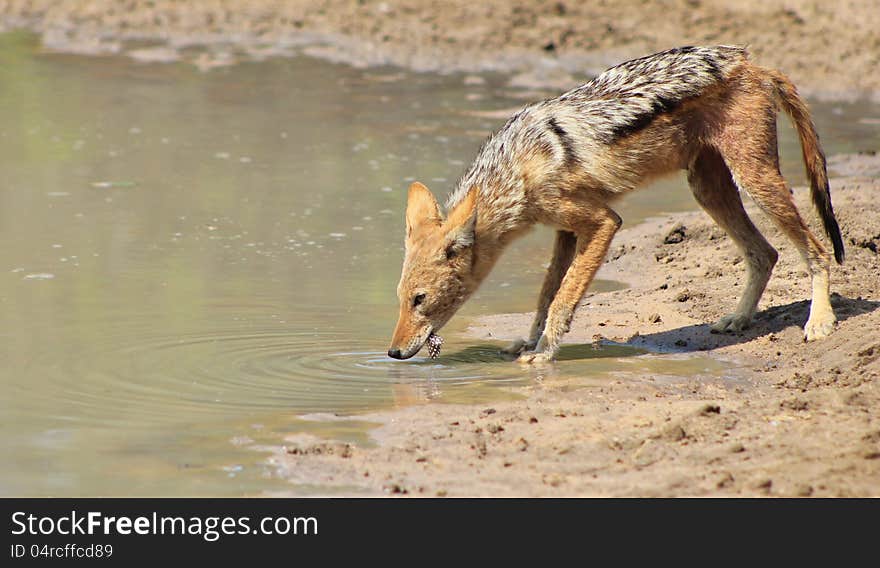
{"x":800,"y":421}
{"x":829,"y":50}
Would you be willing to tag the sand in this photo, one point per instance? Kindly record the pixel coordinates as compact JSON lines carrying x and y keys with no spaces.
{"x":829,"y":49}
{"x":800,"y":420}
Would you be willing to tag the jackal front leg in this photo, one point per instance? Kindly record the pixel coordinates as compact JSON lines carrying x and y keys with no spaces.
{"x":594,"y":226}
{"x":563,"y":253}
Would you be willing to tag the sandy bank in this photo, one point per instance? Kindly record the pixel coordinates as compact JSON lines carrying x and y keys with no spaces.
{"x":803,"y":421}
{"x":830,"y":49}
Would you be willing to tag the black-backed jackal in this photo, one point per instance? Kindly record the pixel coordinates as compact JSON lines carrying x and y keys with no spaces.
{"x":563,"y":161}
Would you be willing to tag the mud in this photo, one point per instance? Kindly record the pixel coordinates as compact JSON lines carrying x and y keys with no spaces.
{"x":829,"y":49}
{"x":802,"y":422}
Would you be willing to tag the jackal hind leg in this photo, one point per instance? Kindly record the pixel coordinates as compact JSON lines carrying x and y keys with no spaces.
{"x":716,"y":192}
{"x":594,"y":225}
{"x":563,"y":253}
{"x":761,"y":178}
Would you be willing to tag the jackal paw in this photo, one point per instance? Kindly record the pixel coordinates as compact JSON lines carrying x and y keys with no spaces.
{"x":535,"y":358}
{"x":819,"y":326}
{"x":732,"y":322}
{"x":518,"y":347}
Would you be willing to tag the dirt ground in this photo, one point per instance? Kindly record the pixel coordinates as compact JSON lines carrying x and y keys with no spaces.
{"x":830,"y":49}
{"x":803,"y":422}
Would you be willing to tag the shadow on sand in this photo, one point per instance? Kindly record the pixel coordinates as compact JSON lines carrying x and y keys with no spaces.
{"x":772,"y":320}
{"x":687,"y":339}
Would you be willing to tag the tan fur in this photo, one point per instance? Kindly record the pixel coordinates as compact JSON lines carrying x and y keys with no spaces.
{"x":724,"y":137}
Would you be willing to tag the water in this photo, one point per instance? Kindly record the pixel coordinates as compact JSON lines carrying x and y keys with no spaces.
{"x":191,"y":264}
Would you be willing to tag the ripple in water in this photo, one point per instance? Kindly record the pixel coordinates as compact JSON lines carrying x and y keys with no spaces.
{"x":242,"y":372}
{"x":224,"y":373}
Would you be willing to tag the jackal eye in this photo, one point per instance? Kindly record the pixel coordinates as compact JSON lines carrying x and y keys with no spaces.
{"x":418,"y":299}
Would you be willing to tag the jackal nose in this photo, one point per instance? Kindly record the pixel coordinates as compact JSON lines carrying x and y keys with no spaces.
{"x":394,"y":353}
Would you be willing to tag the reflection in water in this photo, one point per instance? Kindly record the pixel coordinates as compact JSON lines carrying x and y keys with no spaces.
{"x":190,"y":260}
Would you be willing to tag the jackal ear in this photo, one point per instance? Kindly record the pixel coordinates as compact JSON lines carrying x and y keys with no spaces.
{"x":421,"y":208}
{"x":462,"y":225}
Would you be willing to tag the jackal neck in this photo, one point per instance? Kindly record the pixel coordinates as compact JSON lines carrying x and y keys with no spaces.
{"x":486,"y":254}
{"x":493,"y":234}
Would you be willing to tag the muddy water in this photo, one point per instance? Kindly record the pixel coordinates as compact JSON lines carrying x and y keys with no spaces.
{"x":190,"y":263}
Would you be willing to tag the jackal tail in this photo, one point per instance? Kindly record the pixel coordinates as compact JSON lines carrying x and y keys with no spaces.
{"x":814,"y":159}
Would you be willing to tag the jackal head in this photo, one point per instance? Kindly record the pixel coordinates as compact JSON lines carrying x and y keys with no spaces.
{"x":437,"y":274}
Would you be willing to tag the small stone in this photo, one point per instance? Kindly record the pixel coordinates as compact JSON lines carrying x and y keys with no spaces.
{"x":674,"y":433}
{"x":495,"y":428}
{"x":726,"y":480}
{"x":676,"y":235}
{"x":708,"y":409}
{"x":796,"y":404}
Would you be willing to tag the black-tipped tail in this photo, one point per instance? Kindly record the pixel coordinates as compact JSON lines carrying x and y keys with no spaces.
{"x":814,"y":158}
{"x":822,"y":202}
